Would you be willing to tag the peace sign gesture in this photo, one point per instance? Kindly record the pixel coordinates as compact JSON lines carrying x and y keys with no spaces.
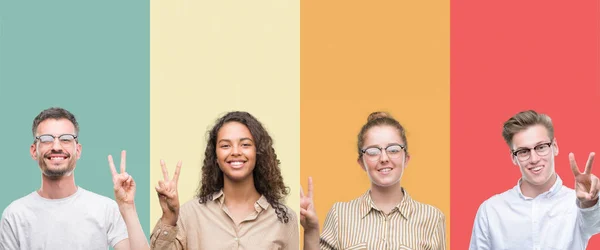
{"x":124,"y":186}
{"x":167,"y":195}
{"x":308,"y":213}
{"x":586,"y":184}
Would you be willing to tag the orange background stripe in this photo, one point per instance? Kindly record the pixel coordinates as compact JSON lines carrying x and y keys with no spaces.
{"x":358,"y":57}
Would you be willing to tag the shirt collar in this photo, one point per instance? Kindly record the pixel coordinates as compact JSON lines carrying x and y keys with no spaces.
{"x":405,"y":207}
{"x":553,"y":190}
{"x":262,"y":202}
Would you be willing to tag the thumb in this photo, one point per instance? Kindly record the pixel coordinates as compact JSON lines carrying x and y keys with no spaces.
{"x":120,"y":178}
{"x":160,"y":192}
{"x":132,"y":183}
{"x":120,"y":193}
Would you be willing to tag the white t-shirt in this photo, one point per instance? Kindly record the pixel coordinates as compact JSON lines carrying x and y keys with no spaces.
{"x":84,"y":220}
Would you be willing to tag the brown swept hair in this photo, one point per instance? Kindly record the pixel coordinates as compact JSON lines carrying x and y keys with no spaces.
{"x":379,"y":118}
{"x":522,"y":121}
{"x":267,"y":174}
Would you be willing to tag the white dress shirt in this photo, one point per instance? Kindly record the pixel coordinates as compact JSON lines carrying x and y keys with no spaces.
{"x":552,"y":220}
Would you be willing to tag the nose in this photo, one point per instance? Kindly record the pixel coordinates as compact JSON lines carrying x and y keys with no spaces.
{"x":56,"y":144}
{"x":235,"y":150}
{"x":383,"y":157}
{"x":534,"y":157}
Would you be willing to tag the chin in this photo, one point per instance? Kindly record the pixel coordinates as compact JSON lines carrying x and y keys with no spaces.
{"x":386,"y":183}
{"x":57,"y":173}
{"x":237,"y":177}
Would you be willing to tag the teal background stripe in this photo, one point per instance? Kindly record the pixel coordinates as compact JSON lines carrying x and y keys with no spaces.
{"x":92,"y":58}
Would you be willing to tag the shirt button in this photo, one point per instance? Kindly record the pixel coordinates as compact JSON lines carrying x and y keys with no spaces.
{"x":165,"y":233}
{"x":236,"y":239}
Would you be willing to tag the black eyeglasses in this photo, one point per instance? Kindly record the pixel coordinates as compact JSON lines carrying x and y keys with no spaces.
{"x":524,"y":153}
{"x":393,"y":151}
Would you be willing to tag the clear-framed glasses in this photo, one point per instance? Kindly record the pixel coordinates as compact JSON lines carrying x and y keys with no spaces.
{"x":64,"y":139}
{"x":393,"y":151}
{"x":524,"y":154}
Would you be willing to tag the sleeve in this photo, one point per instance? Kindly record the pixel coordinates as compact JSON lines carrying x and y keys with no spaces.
{"x":329,"y":237}
{"x":439,"y":232}
{"x":293,"y":242}
{"x":167,"y":237}
{"x":480,"y":239}
{"x":117,"y":230}
{"x":8,"y":234}
{"x":590,"y":219}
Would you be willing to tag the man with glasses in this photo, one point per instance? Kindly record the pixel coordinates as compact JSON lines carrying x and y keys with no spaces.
{"x":62,"y":215}
{"x":539,"y":212}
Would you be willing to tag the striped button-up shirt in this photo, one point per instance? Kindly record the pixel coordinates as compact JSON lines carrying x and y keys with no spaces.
{"x":359,"y":224}
{"x":209,"y":226}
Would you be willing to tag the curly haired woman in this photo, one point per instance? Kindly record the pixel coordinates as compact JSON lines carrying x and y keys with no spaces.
{"x":239,"y":204}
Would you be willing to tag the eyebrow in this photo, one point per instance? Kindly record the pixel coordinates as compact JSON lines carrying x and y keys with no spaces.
{"x":389,"y":144}
{"x":246,"y":139}
{"x":56,"y":136}
{"x":537,"y":144}
{"x":241,"y":139}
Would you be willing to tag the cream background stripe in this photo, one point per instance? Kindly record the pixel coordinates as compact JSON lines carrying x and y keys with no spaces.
{"x":211,"y":57}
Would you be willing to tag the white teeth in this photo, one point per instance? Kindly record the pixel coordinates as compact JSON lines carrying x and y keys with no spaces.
{"x":236,"y":163}
{"x":385,"y":170}
{"x":56,"y":158}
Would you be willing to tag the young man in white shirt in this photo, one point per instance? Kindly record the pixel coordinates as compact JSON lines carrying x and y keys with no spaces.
{"x":62,"y":215}
{"x":539,"y":212}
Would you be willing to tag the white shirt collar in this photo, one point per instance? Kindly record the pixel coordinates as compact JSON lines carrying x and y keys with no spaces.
{"x":553,"y":190}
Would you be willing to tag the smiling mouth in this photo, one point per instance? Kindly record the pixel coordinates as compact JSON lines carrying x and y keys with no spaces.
{"x":384,"y":170}
{"x":56,"y":157}
{"x":536,"y":169}
{"x":236,"y":164}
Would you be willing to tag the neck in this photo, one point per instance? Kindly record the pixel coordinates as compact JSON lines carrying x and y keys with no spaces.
{"x":386,"y":198}
{"x":533,"y":191}
{"x":240,"y":192}
{"x":57,"y":188}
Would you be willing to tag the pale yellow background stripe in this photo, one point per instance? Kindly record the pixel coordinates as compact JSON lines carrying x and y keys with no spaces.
{"x":211,"y":57}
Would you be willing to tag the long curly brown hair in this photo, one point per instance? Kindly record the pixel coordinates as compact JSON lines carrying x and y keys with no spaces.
{"x":267,"y":174}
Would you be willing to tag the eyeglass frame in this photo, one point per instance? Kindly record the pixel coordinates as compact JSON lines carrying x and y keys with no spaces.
{"x":381,"y":150}
{"x":515,"y":152}
{"x":37,"y":138}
